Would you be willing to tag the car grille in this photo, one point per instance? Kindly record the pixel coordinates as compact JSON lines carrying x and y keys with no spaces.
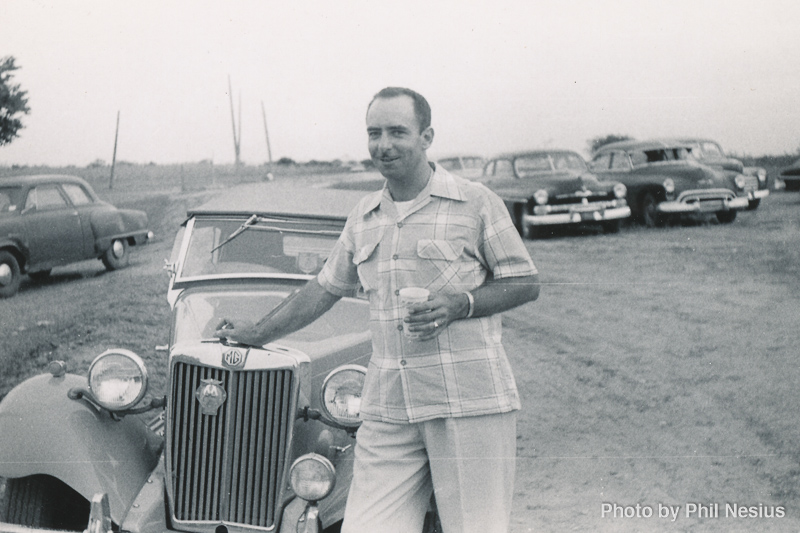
{"x":572,"y":199}
{"x":229,"y":466}
{"x":750,"y":182}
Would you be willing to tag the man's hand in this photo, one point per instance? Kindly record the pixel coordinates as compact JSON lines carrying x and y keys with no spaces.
{"x":428,"y":319}
{"x":244,"y":334}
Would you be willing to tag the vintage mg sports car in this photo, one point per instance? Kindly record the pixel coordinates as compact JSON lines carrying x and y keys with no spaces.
{"x":664,"y":180}
{"x":245,"y":439}
{"x":547,"y":188}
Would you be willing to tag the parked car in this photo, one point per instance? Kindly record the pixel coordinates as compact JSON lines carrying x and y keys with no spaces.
{"x":664,"y":181}
{"x":466,"y":166}
{"x":710,"y":153}
{"x":48,"y":221}
{"x":246,"y":439}
{"x":791,"y":176}
{"x":543,"y":189}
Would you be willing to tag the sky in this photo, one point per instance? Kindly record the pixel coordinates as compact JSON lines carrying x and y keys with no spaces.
{"x":500,"y":75}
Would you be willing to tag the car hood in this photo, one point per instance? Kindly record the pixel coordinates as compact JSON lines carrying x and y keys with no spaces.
{"x":555,"y":184}
{"x":724,"y":163}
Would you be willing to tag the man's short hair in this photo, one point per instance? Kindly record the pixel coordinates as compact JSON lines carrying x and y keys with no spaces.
{"x":422,"y":109}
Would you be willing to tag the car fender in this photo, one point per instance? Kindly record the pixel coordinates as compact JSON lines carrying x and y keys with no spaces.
{"x":42,"y":431}
{"x":110,"y":224}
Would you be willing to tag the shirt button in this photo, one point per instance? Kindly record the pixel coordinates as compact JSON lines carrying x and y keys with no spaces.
{"x":400,"y":327}
{"x":403,"y":362}
{"x":397,"y":292}
{"x":395,"y":256}
{"x":399,"y":224}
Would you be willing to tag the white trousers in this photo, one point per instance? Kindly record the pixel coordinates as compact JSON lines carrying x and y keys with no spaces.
{"x":468,"y":462}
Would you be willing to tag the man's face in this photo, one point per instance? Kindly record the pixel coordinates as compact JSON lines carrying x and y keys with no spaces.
{"x":396,"y":145}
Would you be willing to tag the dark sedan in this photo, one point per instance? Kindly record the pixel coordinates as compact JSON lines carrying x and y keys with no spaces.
{"x":664,"y":180}
{"x":543,"y":189}
{"x":791,"y":176}
{"x":48,"y":221}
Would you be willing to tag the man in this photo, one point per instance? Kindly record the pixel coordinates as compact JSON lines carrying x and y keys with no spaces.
{"x":438,"y":409}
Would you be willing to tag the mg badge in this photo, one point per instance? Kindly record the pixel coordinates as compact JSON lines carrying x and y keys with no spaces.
{"x":233,"y":358}
{"x":211,"y":396}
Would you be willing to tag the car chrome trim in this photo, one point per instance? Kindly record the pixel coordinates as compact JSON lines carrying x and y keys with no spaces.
{"x":704,"y":201}
{"x":577,"y":217}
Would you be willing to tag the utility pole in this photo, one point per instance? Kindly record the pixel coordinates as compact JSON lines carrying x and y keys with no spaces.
{"x":237,"y":138}
{"x":114,"y":157}
{"x":270,"y":177}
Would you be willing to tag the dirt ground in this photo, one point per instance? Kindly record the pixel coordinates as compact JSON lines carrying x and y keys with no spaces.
{"x":658,"y":368}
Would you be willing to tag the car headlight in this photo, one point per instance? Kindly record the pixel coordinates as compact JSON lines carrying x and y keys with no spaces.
{"x":312,"y":477}
{"x":540,"y":196}
{"x":118,"y":379}
{"x":669,"y":185}
{"x":620,"y":190}
{"x":341,"y":395}
{"x":740,"y":181}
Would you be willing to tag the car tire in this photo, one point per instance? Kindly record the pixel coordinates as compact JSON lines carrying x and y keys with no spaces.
{"x":116,"y":256}
{"x":726,"y":217}
{"x":753,"y":204}
{"x":611,"y":226}
{"x":40,"y":275}
{"x":42,"y":502}
{"x":650,"y":215}
{"x":10,"y":275}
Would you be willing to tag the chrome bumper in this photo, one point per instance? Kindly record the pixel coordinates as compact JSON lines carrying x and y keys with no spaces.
{"x":578,"y":215}
{"x":704,"y":201}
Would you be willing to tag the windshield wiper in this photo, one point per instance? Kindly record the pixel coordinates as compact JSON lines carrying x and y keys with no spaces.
{"x":248,"y":223}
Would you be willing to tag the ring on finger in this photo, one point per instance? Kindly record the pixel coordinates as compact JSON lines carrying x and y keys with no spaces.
{"x":435,"y":324}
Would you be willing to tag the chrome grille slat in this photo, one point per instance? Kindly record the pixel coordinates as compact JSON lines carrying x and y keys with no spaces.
{"x":228,"y":467}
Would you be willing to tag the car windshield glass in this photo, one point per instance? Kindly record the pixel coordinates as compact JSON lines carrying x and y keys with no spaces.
{"x":199,"y":313}
{"x":261,"y":246}
{"x":531,"y":165}
{"x":710,"y":149}
{"x":10,"y":198}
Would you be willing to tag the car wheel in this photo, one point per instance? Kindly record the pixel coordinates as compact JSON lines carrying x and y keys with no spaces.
{"x":43,"y":502}
{"x":10,"y":276}
{"x":117,"y":255}
{"x":650,"y":215}
{"x":726,"y":217}
{"x":612,"y":226}
{"x":753,"y":204}
{"x":40,"y":275}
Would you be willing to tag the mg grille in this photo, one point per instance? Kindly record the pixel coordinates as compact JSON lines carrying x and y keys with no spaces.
{"x":228,"y":467}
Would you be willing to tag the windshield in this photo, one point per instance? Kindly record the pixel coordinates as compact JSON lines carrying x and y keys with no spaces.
{"x":258,"y":246}
{"x":198,"y":314}
{"x":530,"y":165}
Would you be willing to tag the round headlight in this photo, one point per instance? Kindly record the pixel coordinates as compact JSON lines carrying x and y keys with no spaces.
{"x":118,"y":379}
{"x":620,"y":190}
{"x":540,"y":196}
{"x":341,"y":395}
{"x":740,"y":181}
{"x":312,"y":477}
{"x":669,"y":185}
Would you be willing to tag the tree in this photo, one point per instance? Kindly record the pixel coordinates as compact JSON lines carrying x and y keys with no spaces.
{"x":597,"y":142}
{"x":13,"y":102}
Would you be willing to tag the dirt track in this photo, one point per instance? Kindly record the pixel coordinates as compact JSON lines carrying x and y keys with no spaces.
{"x":657,"y":367}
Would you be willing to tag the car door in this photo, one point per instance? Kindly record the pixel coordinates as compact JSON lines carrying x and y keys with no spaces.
{"x":85,"y":205}
{"x":53,"y":227}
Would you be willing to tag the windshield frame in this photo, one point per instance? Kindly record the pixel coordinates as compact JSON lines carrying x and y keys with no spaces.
{"x":324,"y":230}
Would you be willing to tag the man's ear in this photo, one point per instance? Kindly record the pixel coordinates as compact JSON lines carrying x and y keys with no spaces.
{"x":427,"y":137}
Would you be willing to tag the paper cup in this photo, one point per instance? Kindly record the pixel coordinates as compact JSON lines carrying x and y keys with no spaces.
{"x":408,"y":296}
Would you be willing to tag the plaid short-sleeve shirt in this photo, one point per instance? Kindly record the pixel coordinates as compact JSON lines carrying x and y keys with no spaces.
{"x":455,"y":235}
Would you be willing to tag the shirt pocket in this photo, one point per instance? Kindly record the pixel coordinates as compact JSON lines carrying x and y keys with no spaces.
{"x":366,"y":260}
{"x":438,"y":262}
